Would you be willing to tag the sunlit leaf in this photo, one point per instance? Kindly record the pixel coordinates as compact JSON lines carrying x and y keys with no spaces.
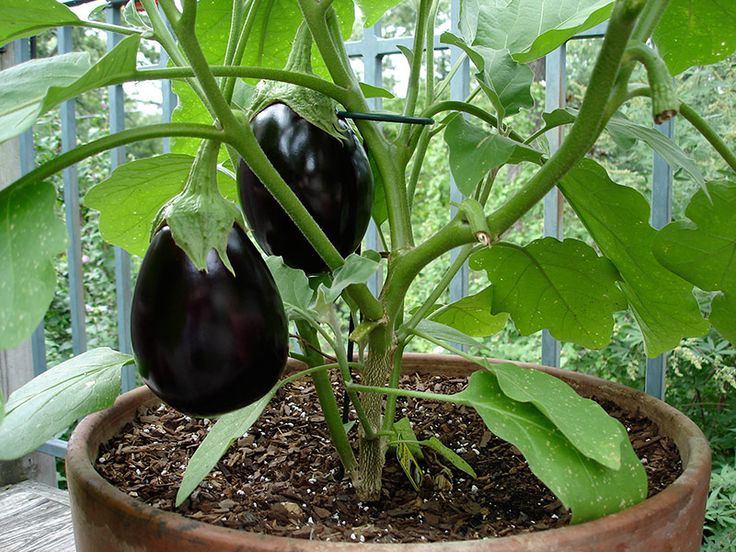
{"x":51,"y":402}
{"x":472,"y":315}
{"x":696,"y":33}
{"x":22,"y":18}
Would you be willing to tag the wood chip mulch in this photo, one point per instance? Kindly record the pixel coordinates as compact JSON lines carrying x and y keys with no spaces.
{"x":283,"y":478}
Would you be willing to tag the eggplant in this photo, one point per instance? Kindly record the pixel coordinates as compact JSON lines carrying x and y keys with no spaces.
{"x":208,"y":342}
{"x":332,"y":178}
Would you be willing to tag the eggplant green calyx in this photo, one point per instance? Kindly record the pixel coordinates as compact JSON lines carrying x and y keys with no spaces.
{"x":199,"y":217}
{"x":316,"y":108}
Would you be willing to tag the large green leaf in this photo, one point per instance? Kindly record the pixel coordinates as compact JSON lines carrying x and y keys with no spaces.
{"x":130,"y":198}
{"x":33,"y":88}
{"x":472,"y":315}
{"x":530,"y":29}
{"x":597,"y":438}
{"x":563,"y":286}
{"x":51,"y":402}
{"x":225,"y":431}
{"x":22,"y":18}
{"x":682,"y":247}
{"x":587,"y":487}
{"x":618,"y":219}
{"x":696,"y":33}
{"x":31,"y":236}
{"x":723,"y":317}
{"x":506,"y":82}
{"x":23,"y":88}
{"x":474,"y":152}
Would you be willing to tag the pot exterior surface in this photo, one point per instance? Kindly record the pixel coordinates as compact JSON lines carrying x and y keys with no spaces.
{"x":106,"y":519}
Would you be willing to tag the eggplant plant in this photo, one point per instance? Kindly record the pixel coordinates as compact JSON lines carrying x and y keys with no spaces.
{"x":260,"y":86}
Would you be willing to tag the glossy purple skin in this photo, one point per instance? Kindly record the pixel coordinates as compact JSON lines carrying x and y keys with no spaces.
{"x":208,"y":342}
{"x":331,"y":178}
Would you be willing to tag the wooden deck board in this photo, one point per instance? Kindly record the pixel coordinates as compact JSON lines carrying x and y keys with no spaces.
{"x":35,"y":518}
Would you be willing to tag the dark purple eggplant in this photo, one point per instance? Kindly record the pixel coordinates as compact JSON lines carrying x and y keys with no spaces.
{"x":208,"y":342}
{"x":332,"y":179}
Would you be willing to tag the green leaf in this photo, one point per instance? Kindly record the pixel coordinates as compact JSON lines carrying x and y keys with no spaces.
{"x":129,"y":199}
{"x":588,"y":488}
{"x":436,"y":332}
{"x":293,"y":284}
{"x":33,"y":88}
{"x":23,"y":89}
{"x":696,"y":33}
{"x":598,"y":437}
{"x":563,"y":286}
{"x":31,"y":236}
{"x":450,"y":455}
{"x":617,"y":218}
{"x":404,"y":432}
{"x":722,"y":310}
{"x":22,"y":18}
{"x":51,"y":402}
{"x":226,"y":430}
{"x":472,"y":315}
{"x":620,"y":128}
{"x":474,"y":152}
{"x":530,"y":29}
{"x":506,"y":82}
{"x":373,"y":10}
{"x":356,"y":270}
{"x":370,"y":91}
{"x":379,"y":210}
{"x":710,"y":234}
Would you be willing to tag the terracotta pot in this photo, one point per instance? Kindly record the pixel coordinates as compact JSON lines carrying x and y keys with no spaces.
{"x":106,"y":519}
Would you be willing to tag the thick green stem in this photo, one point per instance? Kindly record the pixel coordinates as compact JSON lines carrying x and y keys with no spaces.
{"x":327,"y":401}
{"x":429,"y":47}
{"x":412,"y":92}
{"x":115,"y":140}
{"x":372,"y":452}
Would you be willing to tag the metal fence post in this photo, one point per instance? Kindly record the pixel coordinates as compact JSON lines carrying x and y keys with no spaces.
{"x":556,"y":79}
{"x":459,"y":90}
{"x":122,"y":259}
{"x":71,"y":211}
{"x":661,"y":215}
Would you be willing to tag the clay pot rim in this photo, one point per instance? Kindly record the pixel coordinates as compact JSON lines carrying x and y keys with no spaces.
{"x":692,"y":445}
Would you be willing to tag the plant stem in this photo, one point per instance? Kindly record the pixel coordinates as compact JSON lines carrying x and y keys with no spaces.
{"x":393,"y":382}
{"x":412,"y":92}
{"x":398,"y":392}
{"x":237,"y":58}
{"x":416,"y":168}
{"x":707,"y":131}
{"x":665,"y":103}
{"x":236,"y":19}
{"x":105,"y":27}
{"x":115,"y":140}
{"x":302,"y":79}
{"x":436,"y":293}
{"x":327,"y":401}
{"x":429,"y":48}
